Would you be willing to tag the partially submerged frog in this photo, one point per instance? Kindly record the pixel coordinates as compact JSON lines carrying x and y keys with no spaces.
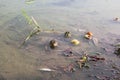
{"x":67,"y":34}
{"x":75,"y":42}
{"x":88,"y":35}
{"x":53,"y":44}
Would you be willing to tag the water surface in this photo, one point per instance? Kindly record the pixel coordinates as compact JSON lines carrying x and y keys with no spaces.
{"x":75,"y":16}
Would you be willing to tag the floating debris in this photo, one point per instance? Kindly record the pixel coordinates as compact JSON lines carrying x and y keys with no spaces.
{"x":29,"y":1}
{"x":75,"y":42}
{"x":46,"y":69}
{"x":116,"y":19}
{"x":69,"y":68}
{"x":117,"y":45}
{"x":82,"y":61}
{"x":67,"y":34}
{"x":116,"y":67}
{"x":117,"y":52}
{"x":95,"y":41}
{"x":103,"y":77}
{"x":98,"y":53}
{"x":96,"y":58}
{"x":68,"y":53}
{"x":72,"y":69}
{"x":53,"y":44}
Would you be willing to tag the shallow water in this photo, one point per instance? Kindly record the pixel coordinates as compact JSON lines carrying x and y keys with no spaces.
{"x":76,"y":16}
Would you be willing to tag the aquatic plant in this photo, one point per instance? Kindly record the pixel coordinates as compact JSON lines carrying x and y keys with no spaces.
{"x":24,"y":13}
{"x":31,"y":20}
{"x":29,"y":1}
{"x":31,"y":34}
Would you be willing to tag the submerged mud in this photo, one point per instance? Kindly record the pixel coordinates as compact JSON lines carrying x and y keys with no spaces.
{"x":23,"y":63}
{"x":75,"y":16}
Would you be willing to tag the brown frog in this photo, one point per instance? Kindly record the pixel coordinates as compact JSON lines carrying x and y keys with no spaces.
{"x":53,"y":44}
{"x":67,"y":34}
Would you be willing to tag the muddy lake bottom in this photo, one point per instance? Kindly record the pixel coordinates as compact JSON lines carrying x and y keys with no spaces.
{"x":75,"y":16}
{"x":24,"y":63}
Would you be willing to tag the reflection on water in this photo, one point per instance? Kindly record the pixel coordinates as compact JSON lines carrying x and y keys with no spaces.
{"x":76,"y":16}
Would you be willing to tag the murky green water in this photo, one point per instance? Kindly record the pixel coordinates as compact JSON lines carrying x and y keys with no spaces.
{"x":76,"y":16}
